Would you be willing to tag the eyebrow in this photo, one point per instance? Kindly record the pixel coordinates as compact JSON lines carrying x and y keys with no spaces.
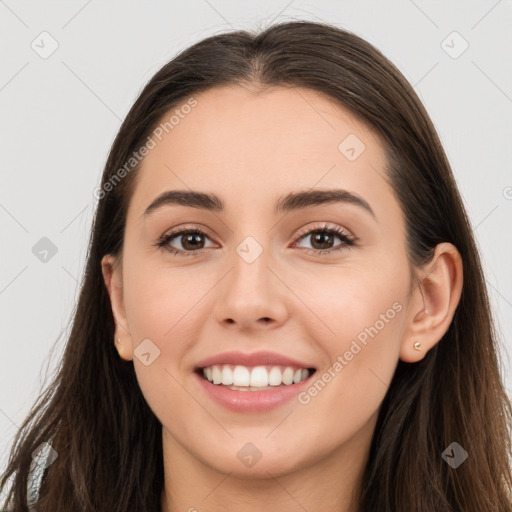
{"x":288,"y":203}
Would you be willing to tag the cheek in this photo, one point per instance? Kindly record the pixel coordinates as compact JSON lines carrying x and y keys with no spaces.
{"x":352,"y":302}
{"x":159,"y":300}
{"x":361,"y":318}
{"x":159,"y":306}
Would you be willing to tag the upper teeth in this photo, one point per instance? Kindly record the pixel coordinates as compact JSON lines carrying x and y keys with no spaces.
{"x":257,"y":376}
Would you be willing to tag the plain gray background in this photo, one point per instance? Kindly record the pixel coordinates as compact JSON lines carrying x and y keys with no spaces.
{"x":60,"y":113}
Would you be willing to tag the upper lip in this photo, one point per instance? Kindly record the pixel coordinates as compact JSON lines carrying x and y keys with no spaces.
{"x":261,"y":358}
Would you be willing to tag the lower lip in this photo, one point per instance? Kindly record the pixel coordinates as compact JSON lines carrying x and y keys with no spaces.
{"x":252,"y":401}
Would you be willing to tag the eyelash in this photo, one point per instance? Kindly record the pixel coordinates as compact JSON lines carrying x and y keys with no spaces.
{"x":334,"y":230}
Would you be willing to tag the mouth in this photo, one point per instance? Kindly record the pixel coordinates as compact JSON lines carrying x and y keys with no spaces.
{"x":254,"y":378}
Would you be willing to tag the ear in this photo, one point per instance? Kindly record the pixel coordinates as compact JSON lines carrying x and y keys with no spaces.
{"x":433,"y":302}
{"x":113,"y":277}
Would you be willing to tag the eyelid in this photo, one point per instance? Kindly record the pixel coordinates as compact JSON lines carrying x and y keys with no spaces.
{"x":302,"y":231}
{"x":319,"y":226}
{"x":188,"y":227}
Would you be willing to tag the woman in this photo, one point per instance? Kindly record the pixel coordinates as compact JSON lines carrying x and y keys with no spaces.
{"x":283,"y":306}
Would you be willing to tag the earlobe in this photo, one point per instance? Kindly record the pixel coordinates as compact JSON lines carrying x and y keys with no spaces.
{"x":123,"y":350}
{"x":433,"y":303}
{"x":112,"y":276}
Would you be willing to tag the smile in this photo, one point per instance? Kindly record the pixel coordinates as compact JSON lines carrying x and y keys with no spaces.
{"x":249,"y":398}
{"x":257,"y":378}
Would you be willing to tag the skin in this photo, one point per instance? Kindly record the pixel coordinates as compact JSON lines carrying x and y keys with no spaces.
{"x":251,"y":147}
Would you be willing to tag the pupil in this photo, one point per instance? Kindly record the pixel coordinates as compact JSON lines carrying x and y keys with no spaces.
{"x":322,"y":235}
{"x":190,"y":238}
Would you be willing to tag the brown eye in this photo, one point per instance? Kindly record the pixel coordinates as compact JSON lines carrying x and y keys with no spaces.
{"x":190,"y":241}
{"x":322,"y":239}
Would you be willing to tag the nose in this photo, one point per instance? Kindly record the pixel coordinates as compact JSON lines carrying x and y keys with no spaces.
{"x":252,"y":294}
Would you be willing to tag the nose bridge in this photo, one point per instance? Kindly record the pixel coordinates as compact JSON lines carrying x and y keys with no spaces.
{"x":251,"y":260}
{"x":252,"y":248}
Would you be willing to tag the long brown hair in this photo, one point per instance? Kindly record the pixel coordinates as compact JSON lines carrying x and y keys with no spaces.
{"x":108,"y":440}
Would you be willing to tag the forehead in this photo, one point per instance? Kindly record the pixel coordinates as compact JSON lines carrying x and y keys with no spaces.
{"x":244,"y":143}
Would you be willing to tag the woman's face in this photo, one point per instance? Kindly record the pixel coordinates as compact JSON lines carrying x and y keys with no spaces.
{"x":261,"y":279}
